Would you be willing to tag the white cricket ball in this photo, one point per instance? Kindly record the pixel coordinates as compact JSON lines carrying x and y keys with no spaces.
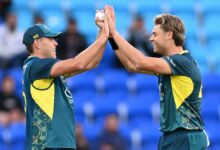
{"x":100,"y":15}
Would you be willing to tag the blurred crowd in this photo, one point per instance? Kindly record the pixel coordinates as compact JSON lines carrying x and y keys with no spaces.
{"x":108,"y":139}
{"x":71,"y":43}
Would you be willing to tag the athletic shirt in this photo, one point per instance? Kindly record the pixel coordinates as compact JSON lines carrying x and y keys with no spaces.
{"x":48,"y":105}
{"x":181,"y":94}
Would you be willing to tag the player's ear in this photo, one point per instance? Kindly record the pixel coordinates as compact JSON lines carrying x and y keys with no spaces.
{"x":169,"y":35}
{"x":36,"y":43}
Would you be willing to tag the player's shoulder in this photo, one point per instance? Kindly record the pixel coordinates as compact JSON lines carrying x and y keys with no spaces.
{"x":29,"y":61}
{"x":181,"y":58}
{"x":40,"y":61}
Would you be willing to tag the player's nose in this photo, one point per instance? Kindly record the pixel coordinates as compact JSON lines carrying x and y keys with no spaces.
{"x":151,"y":38}
{"x":55,"y":42}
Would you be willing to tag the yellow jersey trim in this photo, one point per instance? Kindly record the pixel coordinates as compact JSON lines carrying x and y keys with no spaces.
{"x":43,"y":93}
{"x":183,"y":52}
{"x":200,"y":92}
{"x":182,"y":87}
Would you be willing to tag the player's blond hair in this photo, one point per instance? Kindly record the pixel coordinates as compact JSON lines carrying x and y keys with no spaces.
{"x":174,"y":24}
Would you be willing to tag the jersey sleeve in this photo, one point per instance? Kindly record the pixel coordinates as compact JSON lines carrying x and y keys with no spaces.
{"x":179,"y":64}
{"x":41,"y":68}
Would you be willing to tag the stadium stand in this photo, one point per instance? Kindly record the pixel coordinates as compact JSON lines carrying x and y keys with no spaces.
{"x":106,"y":90}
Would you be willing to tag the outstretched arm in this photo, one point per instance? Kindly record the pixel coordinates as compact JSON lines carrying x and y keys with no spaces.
{"x":140,"y":62}
{"x":95,"y":62}
{"x":86,"y":60}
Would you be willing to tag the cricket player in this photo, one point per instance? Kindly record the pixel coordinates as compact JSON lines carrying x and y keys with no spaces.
{"x":48,"y":101}
{"x":179,"y":80}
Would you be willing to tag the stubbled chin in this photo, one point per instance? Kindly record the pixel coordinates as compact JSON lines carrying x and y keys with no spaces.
{"x":54,"y":56}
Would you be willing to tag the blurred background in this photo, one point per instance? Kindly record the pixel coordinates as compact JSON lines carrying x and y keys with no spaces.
{"x":114,"y":109}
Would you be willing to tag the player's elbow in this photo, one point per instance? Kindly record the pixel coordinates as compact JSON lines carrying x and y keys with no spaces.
{"x":84,"y":67}
{"x":89,"y":67}
{"x":78,"y":66}
{"x":131,"y":69}
{"x":139,"y":65}
{"x":92,"y":65}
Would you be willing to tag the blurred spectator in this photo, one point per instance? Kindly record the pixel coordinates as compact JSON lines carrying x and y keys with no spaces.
{"x":139,"y":38}
{"x":10,"y":104}
{"x":4,"y":8}
{"x":38,"y":19}
{"x":12,"y":51}
{"x":110,"y":138}
{"x":12,"y":119}
{"x":81,"y":141}
{"x":72,"y":42}
{"x":5,"y":118}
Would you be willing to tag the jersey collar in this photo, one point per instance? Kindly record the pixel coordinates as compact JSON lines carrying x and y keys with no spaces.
{"x":183,"y":52}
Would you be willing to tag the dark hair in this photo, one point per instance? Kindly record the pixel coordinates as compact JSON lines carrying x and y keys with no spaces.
{"x":29,"y":48}
{"x":72,"y":20}
{"x":138,"y":17}
{"x":174,"y":24}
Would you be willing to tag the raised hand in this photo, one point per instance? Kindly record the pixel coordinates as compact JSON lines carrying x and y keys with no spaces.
{"x":110,"y":15}
{"x":106,"y":26}
{"x":103,"y":24}
{"x":99,"y":23}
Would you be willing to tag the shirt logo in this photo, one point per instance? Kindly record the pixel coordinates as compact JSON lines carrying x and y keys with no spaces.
{"x":161,"y":92}
{"x":171,"y":61}
{"x":67,"y":91}
{"x":69,"y":96}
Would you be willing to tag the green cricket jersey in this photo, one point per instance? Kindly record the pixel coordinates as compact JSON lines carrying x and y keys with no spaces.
{"x":180,"y":94}
{"x":48,"y":106}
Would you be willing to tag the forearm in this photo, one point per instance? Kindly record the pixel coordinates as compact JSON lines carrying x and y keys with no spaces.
{"x":125,"y":61}
{"x":140,"y":62}
{"x":129,"y":66}
{"x":98,"y":57}
{"x":92,"y":51}
{"x":133,"y":54}
{"x":81,"y":61}
{"x":132,"y":58}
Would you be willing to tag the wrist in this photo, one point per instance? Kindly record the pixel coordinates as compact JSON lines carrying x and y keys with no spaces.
{"x":104,"y":36}
{"x":113,"y":43}
{"x":113,"y":34}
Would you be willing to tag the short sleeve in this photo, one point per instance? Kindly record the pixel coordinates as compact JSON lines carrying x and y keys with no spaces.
{"x":40,"y":69}
{"x":179,"y":64}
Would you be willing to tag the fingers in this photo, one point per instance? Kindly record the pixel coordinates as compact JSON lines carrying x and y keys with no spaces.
{"x":109,"y":11}
{"x":105,"y":21}
{"x":108,"y":24}
{"x":107,"y":14}
{"x":106,"y":27}
{"x":112,"y":12}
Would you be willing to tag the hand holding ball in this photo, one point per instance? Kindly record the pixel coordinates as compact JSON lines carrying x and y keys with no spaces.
{"x":100,"y":15}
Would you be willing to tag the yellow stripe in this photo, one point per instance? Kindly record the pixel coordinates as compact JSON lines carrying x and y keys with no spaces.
{"x":182,"y":87}
{"x":25,"y":101}
{"x":200,"y":92}
{"x":43,"y":94}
